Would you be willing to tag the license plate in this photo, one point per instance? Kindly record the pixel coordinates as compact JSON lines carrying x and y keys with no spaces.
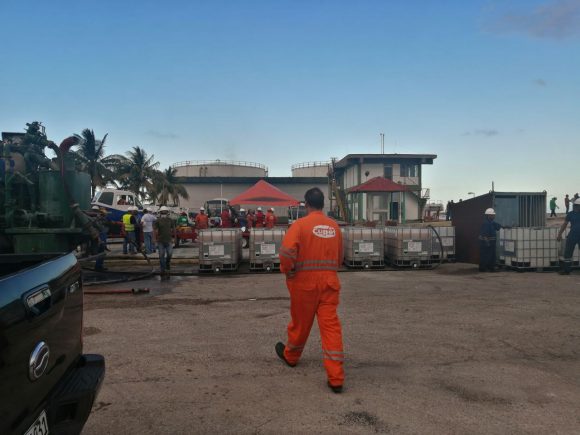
{"x":40,"y":426}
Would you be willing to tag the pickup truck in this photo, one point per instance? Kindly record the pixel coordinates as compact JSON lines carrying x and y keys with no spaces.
{"x":46,"y":384}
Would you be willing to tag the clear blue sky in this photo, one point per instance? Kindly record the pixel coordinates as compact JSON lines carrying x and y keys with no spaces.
{"x":492,"y":88}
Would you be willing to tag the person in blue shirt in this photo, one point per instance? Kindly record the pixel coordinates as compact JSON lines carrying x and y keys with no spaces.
{"x":573,"y":238}
{"x":487,"y":242}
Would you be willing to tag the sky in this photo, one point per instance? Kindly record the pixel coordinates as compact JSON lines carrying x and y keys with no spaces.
{"x":491,"y":87}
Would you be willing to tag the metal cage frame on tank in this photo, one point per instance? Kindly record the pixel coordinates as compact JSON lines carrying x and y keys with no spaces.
{"x":265,"y":249}
{"x":220,"y":250}
{"x":363,"y":247}
{"x":409,"y":247}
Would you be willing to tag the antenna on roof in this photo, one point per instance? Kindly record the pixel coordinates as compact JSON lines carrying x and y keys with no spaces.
{"x":382,"y":143}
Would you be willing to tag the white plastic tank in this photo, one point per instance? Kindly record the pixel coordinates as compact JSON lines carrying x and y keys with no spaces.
{"x":265,"y":248}
{"x":220,"y":249}
{"x":530,"y":248}
{"x":447,"y":236}
{"x":409,"y":247}
{"x":363,"y":247}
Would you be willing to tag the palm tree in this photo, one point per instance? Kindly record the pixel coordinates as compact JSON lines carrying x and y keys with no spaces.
{"x":137,"y":172}
{"x":91,"y":158}
{"x":166,"y":187}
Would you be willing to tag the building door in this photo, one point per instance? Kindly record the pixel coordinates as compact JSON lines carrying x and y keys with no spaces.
{"x":389,"y":172}
{"x":394,"y":211}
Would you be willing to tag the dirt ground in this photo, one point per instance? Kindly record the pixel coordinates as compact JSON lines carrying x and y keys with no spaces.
{"x":448,"y":351}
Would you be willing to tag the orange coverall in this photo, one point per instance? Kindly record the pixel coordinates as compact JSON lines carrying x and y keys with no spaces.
{"x":259,"y":221}
{"x":310,"y":256}
{"x":270,"y":220}
{"x":201,"y":221}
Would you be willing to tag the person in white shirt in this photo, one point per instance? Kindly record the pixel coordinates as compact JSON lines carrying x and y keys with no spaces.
{"x":147,"y":223}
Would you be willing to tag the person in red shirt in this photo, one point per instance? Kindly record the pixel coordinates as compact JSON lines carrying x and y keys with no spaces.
{"x":250,"y":218}
{"x":260,"y":218}
{"x":310,"y":256}
{"x":201,"y":220}
{"x":270,"y":219}
{"x":226,"y":218}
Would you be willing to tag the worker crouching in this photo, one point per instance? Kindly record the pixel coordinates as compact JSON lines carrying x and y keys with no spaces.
{"x":310,"y":256}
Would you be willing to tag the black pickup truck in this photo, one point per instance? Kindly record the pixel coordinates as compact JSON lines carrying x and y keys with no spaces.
{"x":46,"y":384}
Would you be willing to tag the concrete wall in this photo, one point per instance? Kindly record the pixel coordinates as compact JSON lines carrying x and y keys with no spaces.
{"x":311,"y":171}
{"x":220,"y":170}
{"x":200,"y":193}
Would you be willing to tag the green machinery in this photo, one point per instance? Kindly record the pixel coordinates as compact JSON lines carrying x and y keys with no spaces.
{"x":41,"y":199}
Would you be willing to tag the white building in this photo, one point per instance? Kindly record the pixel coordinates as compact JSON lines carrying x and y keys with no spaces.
{"x":406,"y":169}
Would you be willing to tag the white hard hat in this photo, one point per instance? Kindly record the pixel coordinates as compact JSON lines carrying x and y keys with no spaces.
{"x":242,"y":209}
{"x":201,"y":209}
{"x":95,"y":207}
{"x":271,"y":208}
{"x":577,"y":201}
{"x":490,"y":211}
{"x":259,"y":208}
{"x":163,"y":209}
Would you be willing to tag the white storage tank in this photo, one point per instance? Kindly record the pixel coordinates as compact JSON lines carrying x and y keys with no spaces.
{"x":265,"y":248}
{"x":447,"y":236}
{"x":220,"y":249}
{"x":409,"y":247}
{"x":363,"y":247}
{"x":532,"y":248}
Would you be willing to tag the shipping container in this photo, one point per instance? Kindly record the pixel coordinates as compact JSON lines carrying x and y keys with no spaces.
{"x":444,"y":250}
{"x":363,"y":247}
{"x":265,"y":247}
{"x":409,"y":247}
{"x":513,"y":209}
{"x":220,"y":249}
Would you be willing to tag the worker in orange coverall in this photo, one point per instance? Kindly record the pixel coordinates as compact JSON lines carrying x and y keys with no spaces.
{"x":310,"y":256}
{"x":270,"y":219}
{"x":260,"y":218}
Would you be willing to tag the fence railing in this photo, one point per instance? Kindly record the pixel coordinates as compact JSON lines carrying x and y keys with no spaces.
{"x":309,"y":165}
{"x":219,"y":162}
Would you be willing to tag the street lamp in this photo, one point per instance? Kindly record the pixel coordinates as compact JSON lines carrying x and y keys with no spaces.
{"x":472,"y":194}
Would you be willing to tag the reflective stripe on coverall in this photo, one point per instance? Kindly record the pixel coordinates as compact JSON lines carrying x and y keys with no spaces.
{"x":312,"y":249}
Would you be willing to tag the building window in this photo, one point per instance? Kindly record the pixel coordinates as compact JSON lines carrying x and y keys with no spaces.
{"x":409,"y":170}
{"x":388,"y":172}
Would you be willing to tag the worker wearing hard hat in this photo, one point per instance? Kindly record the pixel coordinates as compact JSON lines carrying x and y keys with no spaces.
{"x":270,"y":219}
{"x":573,"y":238}
{"x":487,"y":242}
{"x":310,"y":256}
{"x":165,"y":227}
{"x":260,"y":218}
{"x":242,"y":219}
{"x":201,"y":220}
{"x":129,"y":225}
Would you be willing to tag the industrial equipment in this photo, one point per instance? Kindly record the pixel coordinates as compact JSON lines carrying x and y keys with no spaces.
{"x":264,"y":248}
{"x":42,"y":199}
{"x":363,"y":247}
{"x":220,"y":249}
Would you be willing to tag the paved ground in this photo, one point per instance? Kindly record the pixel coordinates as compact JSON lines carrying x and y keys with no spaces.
{"x":449,"y":351}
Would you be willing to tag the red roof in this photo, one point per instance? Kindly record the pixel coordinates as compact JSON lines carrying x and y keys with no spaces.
{"x":379,"y":184}
{"x":263,"y":193}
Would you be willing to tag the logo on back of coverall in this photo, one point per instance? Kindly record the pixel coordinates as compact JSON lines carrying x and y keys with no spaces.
{"x":324,"y":231}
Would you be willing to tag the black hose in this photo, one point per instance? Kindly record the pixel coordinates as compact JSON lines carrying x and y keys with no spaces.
{"x":440,"y":246}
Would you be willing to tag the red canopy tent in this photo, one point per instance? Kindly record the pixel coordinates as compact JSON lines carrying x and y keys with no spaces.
{"x":263,"y":193}
{"x":379,"y":184}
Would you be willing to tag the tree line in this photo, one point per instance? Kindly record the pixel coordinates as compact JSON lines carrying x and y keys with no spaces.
{"x":135,"y":171}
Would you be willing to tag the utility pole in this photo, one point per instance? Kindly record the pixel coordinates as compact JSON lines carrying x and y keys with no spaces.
{"x":382,"y":143}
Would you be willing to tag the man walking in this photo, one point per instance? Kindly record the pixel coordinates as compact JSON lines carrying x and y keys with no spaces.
{"x":165,"y":227}
{"x":573,"y":238}
{"x":147,"y":224}
{"x":310,"y":256}
{"x":553,"y":207}
{"x":129,"y":224}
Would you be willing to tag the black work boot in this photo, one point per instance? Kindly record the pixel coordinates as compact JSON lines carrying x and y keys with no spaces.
{"x":280,"y":352}
{"x":337,"y":389}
